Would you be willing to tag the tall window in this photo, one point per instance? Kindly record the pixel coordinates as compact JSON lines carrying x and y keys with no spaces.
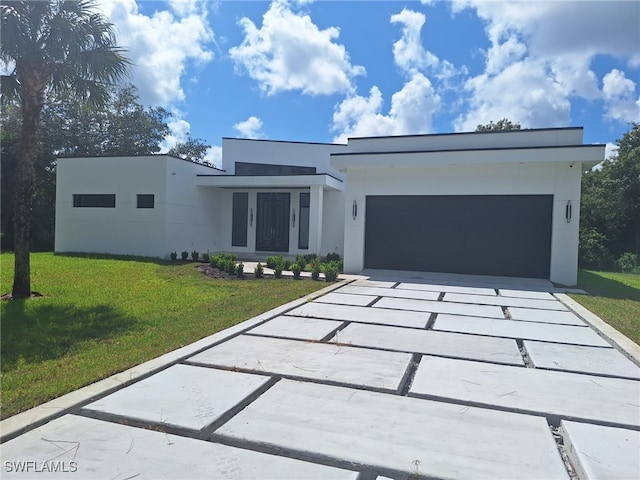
{"x":94,"y":200}
{"x":146,"y":201}
{"x":239,"y":225}
{"x":303,"y":223}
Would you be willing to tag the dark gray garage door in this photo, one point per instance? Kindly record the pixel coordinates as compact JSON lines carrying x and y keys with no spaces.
{"x":506,"y":235}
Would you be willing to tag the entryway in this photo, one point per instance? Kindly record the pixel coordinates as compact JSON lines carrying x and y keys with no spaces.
{"x":272,"y":222}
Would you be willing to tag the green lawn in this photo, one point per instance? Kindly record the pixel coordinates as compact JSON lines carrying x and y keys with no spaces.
{"x":615,"y":297}
{"x":99,"y":316}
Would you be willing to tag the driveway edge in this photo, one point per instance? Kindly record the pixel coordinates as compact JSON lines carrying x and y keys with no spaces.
{"x":625,"y":344}
{"x":29,"y":419}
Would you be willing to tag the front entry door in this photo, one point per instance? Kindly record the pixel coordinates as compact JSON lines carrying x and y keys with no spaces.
{"x":272,"y":223}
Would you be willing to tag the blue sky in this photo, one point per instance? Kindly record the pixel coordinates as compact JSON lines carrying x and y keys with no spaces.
{"x":321,"y":71}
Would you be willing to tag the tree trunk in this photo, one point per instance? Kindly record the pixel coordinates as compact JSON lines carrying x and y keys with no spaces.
{"x":32,"y":103}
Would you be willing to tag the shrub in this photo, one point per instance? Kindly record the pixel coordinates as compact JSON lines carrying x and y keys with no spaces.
{"x":310,"y":257}
{"x":277,"y":272}
{"x":272,"y":262}
{"x":231,"y":267}
{"x":315,"y":271}
{"x":184,"y":255}
{"x":330,"y":272}
{"x":627,"y":262}
{"x":295,"y":268}
{"x":240,"y":270}
{"x":206,"y":257}
{"x":173,"y":255}
{"x":593,"y":252}
{"x":333,"y":257}
{"x":195,"y":255}
{"x":286,"y":264}
{"x":258,"y":271}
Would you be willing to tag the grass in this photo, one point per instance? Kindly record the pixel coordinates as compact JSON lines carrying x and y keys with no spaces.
{"x":615,"y":297}
{"x":101,"y":315}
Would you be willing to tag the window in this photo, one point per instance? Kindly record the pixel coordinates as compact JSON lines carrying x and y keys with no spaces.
{"x":95,"y":200}
{"x":303,"y":223}
{"x":239,"y":222}
{"x":244,"y":168}
{"x":146,"y":201}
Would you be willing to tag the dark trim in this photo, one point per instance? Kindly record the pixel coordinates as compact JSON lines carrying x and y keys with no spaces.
{"x":448,"y":150}
{"x":266,"y":176}
{"x":468,"y":133}
{"x":138,"y":156}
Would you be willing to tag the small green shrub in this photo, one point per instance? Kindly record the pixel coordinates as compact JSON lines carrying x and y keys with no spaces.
{"x":286,"y":264}
{"x":206,"y":257}
{"x":184,"y":255}
{"x":195,"y":255}
{"x":272,"y":262}
{"x":310,"y":257}
{"x":231,"y":268}
{"x":173,"y":255}
{"x":240,"y":270}
{"x":258,"y":272}
{"x":333,"y":257}
{"x":315,"y":271}
{"x":627,"y":262}
{"x":277,"y":272}
{"x":330,"y":272}
{"x":295,"y":268}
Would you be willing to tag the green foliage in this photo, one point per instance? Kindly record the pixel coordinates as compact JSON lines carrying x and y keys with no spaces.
{"x":295,"y":268}
{"x":184,"y":255}
{"x":331,"y":272}
{"x":240,"y":270}
{"x":627,"y":262}
{"x":610,"y":205}
{"x":173,"y":255}
{"x":274,"y":261}
{"x":501,"y":125}
{"x":286,"y":264}
{"x":258,"y":271}
{"x":194,"y":150}
{"x":315,"y":271}
{"x":231,"y":268}
{"x":206,"y":257}
{"x":277,"y":271}
{"x":332,"y":257}
{"x":195,"y":255}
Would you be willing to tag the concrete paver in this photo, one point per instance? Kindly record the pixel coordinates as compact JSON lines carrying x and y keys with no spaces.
{"x":505,"y":301}
{"x":446,"y":288}
{"x":88,"y":449}
{"x":362,"y":314}
{"x":612,"y":401}
{"x":391,"y":292}
{"x":346,"y":299}
{"x":297,"y":327}
{"x":577,"y":358}
{"x":405,"y":383}
{"x":525,"y":330}
{"x":440,"y":307}
{"x":602,"y":452}
{"x":429,"y":438}
{"x":377,"y":369}
{"x":545,"y":316}
{"x":499,"y":350}
{"x":181,"y":396}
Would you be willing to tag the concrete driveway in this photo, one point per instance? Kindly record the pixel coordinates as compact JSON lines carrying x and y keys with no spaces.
{"x":391,"y":375}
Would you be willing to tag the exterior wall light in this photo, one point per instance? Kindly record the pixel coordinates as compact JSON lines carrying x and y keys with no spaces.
{"x":567,"y":211}
{"x":354,"y":210}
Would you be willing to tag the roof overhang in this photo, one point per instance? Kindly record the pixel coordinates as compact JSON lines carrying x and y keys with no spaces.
{"x":587,"y":155}
{"x":325,"y":181}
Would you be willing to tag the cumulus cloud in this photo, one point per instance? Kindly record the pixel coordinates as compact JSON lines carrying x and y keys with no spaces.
{"x":561,"y":41}
{"x":620,"y":101}
{"x":411,"y":112}
{"x":289,"y":52}
{"x":250,"y":128}
{"x":161,"y":45}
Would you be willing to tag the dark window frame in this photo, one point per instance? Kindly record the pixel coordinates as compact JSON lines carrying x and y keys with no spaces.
{"x":94,"y":200}
{"x":270,"y":169}
{"x":145,"y":200}
{"x":304,"y":210}
{"x":239,"y":219}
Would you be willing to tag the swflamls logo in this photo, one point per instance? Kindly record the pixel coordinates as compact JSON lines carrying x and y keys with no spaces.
{"x":33,"y":466}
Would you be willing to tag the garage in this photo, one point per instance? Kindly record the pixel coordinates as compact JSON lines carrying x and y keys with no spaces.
{"x":504,"y":235}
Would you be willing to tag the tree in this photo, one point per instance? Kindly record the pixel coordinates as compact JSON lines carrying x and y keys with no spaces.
{"x":610,"y":206}
{"x":501,"y":125}
{"x":193,"y":149}
{"x":57,"y":45}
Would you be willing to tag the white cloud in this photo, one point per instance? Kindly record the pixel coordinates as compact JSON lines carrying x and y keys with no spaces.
{"x":411,"y":112}
{"x":560,"y":40}
{"x":250,"y":128}
{"x":213,"y":156}
{"x":161,"y":45}
{"x":619,"y":93}
{"x":290,"y":52}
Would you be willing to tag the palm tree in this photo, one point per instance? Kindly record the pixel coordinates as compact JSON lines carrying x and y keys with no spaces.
{"x":51,"y":46}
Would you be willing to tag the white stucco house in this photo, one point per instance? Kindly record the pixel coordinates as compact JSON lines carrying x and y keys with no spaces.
{"x":488,"y":203}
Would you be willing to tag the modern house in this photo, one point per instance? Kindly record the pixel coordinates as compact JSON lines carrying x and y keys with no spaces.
{"x":490,"y":203}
